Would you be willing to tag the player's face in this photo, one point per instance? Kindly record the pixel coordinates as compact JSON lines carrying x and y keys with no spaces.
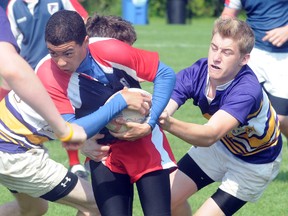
{"x":224,"y":59}
{"x":68,"y":56}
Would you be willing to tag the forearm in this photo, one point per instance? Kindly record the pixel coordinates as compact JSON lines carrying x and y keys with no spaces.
{"x":97,"y":120}
{"x":171,"y":107}
{"x":197,"y":135}
{"x":163,"y":87}
{"x":229,"y":13}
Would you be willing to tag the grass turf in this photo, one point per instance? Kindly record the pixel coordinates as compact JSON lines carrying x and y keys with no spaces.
{"x":180,"y":46}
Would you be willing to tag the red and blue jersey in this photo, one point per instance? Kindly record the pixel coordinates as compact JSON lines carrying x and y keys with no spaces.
{"x":257,"y":139}
{"x":122,"y":66}
{"x":109,"y":66}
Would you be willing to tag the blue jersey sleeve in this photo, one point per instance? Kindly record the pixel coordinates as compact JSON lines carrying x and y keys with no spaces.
{"x":163,"y":86}
{"x":97,"y":120}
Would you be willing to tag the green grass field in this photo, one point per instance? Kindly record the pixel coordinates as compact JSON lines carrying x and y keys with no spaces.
{"x":179,"y":46}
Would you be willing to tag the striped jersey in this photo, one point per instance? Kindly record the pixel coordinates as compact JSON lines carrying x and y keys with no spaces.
{"x":109,"y":66}
{"x":257,"y":139}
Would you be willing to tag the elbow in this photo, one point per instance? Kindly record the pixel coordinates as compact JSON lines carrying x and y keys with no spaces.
{"x":210,"y":142}
{"x":205,"y":141}
{"x":213,"y":138}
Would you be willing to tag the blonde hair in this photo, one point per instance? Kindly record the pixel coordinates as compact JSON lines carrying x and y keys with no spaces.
{"x":237,"y":30}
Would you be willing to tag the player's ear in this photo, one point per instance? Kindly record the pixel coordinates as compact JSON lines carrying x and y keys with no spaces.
{"x":86,"y":40}
{"x":245,"y":59}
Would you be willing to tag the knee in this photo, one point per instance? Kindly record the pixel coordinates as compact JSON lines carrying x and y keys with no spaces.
{"x":283,"y":119}
{"x":283,"y":124}
{"x":182,"y":208}
{"x":40,"y":209}
{"x":89,"y":209}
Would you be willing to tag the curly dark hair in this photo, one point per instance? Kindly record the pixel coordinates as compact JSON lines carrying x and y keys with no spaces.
{"x":111,"y":26}
{"x":65,"y":26}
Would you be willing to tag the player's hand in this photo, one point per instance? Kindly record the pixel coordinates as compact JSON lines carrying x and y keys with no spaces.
{"x":137,"y":101}
{"x":277,"y":36}
{"x":164,"y":120}
{"x":135,"y":131}
{"x":95,"y":151}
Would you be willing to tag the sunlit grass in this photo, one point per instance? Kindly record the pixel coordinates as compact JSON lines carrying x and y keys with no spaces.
{"x":180,"y":46}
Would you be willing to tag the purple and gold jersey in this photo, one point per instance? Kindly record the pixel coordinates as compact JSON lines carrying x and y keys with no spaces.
{"x":257,"y":139}
{"x":21,"y":128}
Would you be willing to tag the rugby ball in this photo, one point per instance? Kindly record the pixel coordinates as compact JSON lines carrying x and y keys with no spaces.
{"x":127,"y":114}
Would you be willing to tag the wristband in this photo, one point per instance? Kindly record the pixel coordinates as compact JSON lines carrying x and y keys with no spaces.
{"x":69,"y":136}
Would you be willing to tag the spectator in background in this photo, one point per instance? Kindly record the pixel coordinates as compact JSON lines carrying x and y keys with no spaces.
{"x":28,"y":19}
{"x":240,"y":145}
{"x":269,"y":58}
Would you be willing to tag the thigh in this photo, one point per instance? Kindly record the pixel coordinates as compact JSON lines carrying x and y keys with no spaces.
{"x":81,"y":197}
{"x":28,"y":205}
{"x":207,"y":170}
{"x":248,"y":181}
{"x":32,"y":172}
{"x":225,"y":202}
{"x":154,"y":193}
{"x":113,"y":191}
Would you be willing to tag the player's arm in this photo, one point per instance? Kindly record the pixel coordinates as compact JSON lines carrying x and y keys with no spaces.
{"x":97,"y":120}
{"x":163,"y":86}
{"x":229,"y":12}
{"x":200,"y":135}
{"x":231,"y":8}
{"x":19,"y":75}
{"x":171,"y":107}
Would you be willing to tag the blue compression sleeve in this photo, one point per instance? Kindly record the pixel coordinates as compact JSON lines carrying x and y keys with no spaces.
{"x":163,"y":86}
{"x":97,"y":120}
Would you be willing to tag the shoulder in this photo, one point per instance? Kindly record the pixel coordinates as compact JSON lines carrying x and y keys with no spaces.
{"x":116,"y":51}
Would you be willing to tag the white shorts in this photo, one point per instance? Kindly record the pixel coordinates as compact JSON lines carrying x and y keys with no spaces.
{"x":271,"y":68}
{"x":32,"y":172}
{"x":243,"y":180}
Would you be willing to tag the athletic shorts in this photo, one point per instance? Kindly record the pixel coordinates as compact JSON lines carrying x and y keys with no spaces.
{"x":271,"y":70}
{"x":137,"y":158}
{"x":32,"y":172}
{"x":243,"y":180}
